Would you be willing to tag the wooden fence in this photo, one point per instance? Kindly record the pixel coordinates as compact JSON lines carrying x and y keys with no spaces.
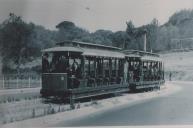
{"x":14,"y":81}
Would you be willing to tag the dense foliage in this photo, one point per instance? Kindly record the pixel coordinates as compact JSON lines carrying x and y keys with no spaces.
{"x":21,"y":42}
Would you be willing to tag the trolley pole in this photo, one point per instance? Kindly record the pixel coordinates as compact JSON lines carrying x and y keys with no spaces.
{"x":145,"y":42}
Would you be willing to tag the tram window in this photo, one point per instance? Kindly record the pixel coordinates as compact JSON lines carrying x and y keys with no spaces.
{"x":113,"y":64}
{"x":92,"y":68}
{"x":60,"y":63}
{"x":74,"y":62}
{"x":50,"y":61}
{"x":114,"y":67}
{"x":106,"y":67}
{"x":92,"y":65}
{"x":50,"y":56}
{"x":46,"y":61}
{"x":131,"y":66}
{"x":131,"y":62}
{"x":121,"y":68}
{"x":116,"y":61}
{"x":106,"y":64}
{"x":145,"y":66}
{"x":75,"y":66}
{"x":86,"y":67}
{"x":99,"y":67}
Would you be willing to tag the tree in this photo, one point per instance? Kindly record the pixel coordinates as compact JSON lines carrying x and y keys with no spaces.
{"x":120,"y":39}
{"x":14,"y":38}
{"x":166,"y":33}
{"x":40,"y":38}
{"x":180,"y":16}
{"x":102,"y":37}
{"x":152,"y":34}
{"x":130,"y":28}
{"x":69,"y":31}
{"x":135,"y":36}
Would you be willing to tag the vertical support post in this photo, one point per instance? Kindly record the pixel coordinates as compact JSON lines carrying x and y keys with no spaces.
{"x":103,"y":71}
{"x":3,"y":82}
{"x":82,"y":67}
{"x":129,"y":72}
{"x":110,"y":69}
{"x":95,"y":67}
{"x":72,"y":106}
{"x":125,"y":71}
{"x":163,"y":71}
{"x":17,"y":82}
{"x":141,"y":63}
{"x":180,"y":44}
{"x":88,"y":66}
{"x":29,"y":82}
{"x":159,"y":70}
{"x":147,"y":71}
{"x":95,"y":71}
{"x":40,"y":81}
{"x":115,"y":67}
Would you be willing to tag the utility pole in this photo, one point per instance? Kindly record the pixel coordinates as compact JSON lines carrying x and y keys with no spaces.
{"x":145,"y":40}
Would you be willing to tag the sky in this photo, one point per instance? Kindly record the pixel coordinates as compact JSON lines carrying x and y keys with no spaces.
{"x":93,"y":14}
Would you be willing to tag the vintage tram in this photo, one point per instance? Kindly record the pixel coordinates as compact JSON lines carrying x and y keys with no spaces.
{"x":145,"y":70}
{"x":74,"y":70}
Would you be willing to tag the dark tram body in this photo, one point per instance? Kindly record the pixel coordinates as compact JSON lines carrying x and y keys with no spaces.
{"x":145,"y":70}
{"x":74,"y":70}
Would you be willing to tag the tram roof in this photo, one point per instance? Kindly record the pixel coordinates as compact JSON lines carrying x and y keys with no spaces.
{"x":145,"y":56}
{"x":140,"y":53}
{"x":150,"y":58}
{"x":87,"y":51}
{"x":86,"y":44}
{"x":132,"y":55}
{"x":109,"y":52}
{"x":102,"y":53}
{"x":63,"y":49}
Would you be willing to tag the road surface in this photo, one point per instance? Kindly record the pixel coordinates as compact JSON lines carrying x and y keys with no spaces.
{"x":175,"y":109}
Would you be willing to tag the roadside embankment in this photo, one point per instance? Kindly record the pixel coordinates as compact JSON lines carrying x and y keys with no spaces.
{"x":99,"y":107}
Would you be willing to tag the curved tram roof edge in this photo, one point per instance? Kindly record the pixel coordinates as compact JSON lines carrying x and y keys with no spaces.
{"x":87,"y":44}
{"x":63,"y":49}
{"x":87,"y":51}
{"x":150,"y":58}
{"x":106,"y":53}
{"x":102,"y":53}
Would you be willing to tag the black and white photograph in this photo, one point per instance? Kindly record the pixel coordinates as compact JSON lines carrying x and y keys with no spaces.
{"x":96,"y":63}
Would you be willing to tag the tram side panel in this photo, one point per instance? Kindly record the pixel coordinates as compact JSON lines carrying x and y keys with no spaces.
{"x":52,"y":83}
